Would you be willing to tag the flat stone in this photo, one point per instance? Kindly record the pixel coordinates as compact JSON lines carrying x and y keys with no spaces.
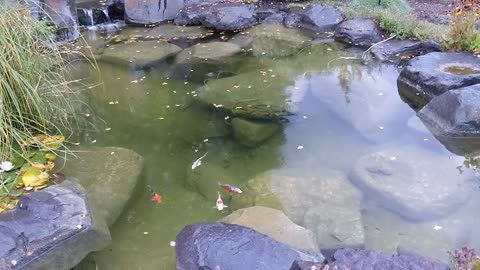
{"x":358,"y":32}
{"x":140,"y":55}
{"x":275,"y":224}
{"x":414,"y":183}
{"x":109,"y":175}
{"x":161,"y":32}
{"x":233,"y":247}
{"x":321,"y":19}
{"x":431,"y":75}
{"x":252,"y":132}
{"x":395,"y":50}
{"x":229,"y":16}
{"x":150,"y":11}
{"x":51,"y":229}
{"x":275,"y":40}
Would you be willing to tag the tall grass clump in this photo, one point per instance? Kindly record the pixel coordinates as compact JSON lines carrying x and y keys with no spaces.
{"x":463,"y":35}
{"x":33,"y":84}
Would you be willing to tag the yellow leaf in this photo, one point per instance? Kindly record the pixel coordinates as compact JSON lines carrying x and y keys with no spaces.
{"x":50,"y":165}
{"x":34,"y":177}
{"x":50,"y":156}
{"x":52,"y":142}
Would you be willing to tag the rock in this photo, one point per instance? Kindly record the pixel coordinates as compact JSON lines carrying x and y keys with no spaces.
{"x":358,"y":32}
{"x":431,"y":75}
{"x":229,"y":16}
{"x":250,"y":132}
{"x":305,"y":265}
{"x":357,"y":259}
{"x":151,"y":11}
{"x":140,"y":55}
{"x":275,"y":224}
{"x":260,"y":186}
{"x":275,"y":40}
{"x":332,"y":210}
{"x":89,"y":17}
{"x":189,"y":16}
{"x":454,"y":118}
{"x":51,"y":229}
{"x":163,"y":32}
{"x":116,"y":10}
{"x":253,"y":95}
{"x":394,"y":50}
{"x":276,"y":18}
{"x":109,"y":175}
{"x":292,"y":20}
{"x":232,"y":247}
{"x":321,"y":19}
{"x":416,"y":184}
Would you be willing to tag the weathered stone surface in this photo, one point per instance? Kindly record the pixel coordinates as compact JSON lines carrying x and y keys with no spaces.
{"x":416,"y":184}
{"x":332,"y":210}
{"x":253,"y":95}
{"x":321,"y":19}
{"x":140,"y":55}
{"x":109,"y":175}
{"x":292,"y":20}
{"x":51,"y":229}
{"x":431,"y":75}
{"x":358,"y":32}
{"x":161,"y":32}
{"x":232,"y":247}
{"x":260,"y":186}
{"x":395,"y":50}
{"x":275,"y":40}
{"x":229,"y":16}
{"x":151,"y":11}
{"x":275,"y":224}
{"x":189,"y":16}
{"x":276,"y":18}
{"x":251,"y":133}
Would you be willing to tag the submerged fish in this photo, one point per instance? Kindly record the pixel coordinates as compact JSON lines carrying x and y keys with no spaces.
{"x":155,"y":196}
{"x":219,"y":204}
{"x":198,"y":162}
{"x":230,"y":188}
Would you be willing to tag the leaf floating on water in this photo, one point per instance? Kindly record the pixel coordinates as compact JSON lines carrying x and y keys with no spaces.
{"x":52,"y":142}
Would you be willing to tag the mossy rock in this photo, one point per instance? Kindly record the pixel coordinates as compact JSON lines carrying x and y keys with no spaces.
{"x":252,"y":132}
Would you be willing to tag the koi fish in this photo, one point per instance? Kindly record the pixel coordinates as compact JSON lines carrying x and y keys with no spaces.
{"x":155,"y":196}
{"x":219,"y":205}
{"x":230,"y":188}
{"x":198,"y":162}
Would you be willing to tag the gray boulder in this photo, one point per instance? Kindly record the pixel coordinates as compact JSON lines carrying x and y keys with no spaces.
{"x":416,"y":184}
{"x":292,"y":20}
{"x":109,"y":175}
{"x":275,"y":224}
{"x":233,"y":247}
{"x":51,"y":229}
{"x":150,"y":11}
{"x":321,"y":19}
{"x":358,"y":32}
{"x":395,"y":50}
{"x":252,"y":132}
{"x":275,"y":40}
{"x":276,"y":18}
{"x":431,"y":75}
{"x":229,"y":16}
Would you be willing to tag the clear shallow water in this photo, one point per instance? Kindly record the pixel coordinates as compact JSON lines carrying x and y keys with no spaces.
{"x":345,"y":109}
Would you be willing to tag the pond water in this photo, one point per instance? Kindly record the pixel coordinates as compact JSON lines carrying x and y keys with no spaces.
{"x":344,"y":110}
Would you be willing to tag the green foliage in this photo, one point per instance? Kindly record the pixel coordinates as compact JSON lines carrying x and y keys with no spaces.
{"x":396,"y":6}
{"x":463,"y":35}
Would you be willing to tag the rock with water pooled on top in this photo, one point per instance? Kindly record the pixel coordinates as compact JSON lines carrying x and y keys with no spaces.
{"x":109,"y":175}
{"x":51,"y":229}
{"x":139,"y":55}
{"x":414,"y":183}
{"x":275,"y":40}
{"x":431,"y":75}
{"x":358,"y":32}
{"x":229,"y":16}
{"x":151,"y":11}
{"x":395,"y":49}
{"x":321,"y":19}
{"x":233,"y":247}
{"x":252,"y":132}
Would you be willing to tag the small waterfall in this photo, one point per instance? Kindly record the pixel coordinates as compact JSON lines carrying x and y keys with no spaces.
{"x":89,"y":14}
{"x":107,"y":17}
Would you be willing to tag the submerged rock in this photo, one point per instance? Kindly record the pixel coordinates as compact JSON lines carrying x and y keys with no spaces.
{"x":229,"y":16}
{"x":232,"y":247}
{"x":431,"y":75}
{"x":109,"y":175}
{"x":395,"y":50}
{"x":150,"y":11}
{"x":358,"y":32}
{"x":51,"y":229}
{"x":416,"y":184}
{"x":252,"y":132}
{"x":275,"y":40}
{"x":321,"y":19}
{"x":161,"y":32}
{"x":139,"y":55}
{"x":275,"y":224}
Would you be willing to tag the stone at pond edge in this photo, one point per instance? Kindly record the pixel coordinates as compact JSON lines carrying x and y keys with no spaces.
{"x":151,"y":11}
{"x":275,"y":224}
{"x":428,"y":76}
{"x":250,"y":132}
{"x":275,"y":40}
{"x":229,"y":16}
{"x":358,"y":32}
{"x":321,"y":19}
{"x":51,"y":229}
{"x":395,"y":50}
{"x":232,"y":247}
{"x":109,"y":175}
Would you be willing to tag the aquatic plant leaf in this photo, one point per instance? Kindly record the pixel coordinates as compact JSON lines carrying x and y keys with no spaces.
{"x":38,"y":157}
{"x":52,"y":142}
{"x":50,"y":156}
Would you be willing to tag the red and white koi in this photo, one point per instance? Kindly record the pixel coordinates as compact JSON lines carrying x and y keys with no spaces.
{"x":231,"y":188}
{"x":219,"y":204}
{"x":155,"y":196}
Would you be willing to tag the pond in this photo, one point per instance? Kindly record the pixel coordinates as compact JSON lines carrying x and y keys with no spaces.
{"x":350,"y":161}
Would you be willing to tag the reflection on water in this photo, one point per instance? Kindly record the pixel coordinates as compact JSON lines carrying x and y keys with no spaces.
{"x":345,"y":110}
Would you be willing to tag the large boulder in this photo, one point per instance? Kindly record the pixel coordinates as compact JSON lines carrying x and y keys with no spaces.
{"x":321,"y":19}
{"x":229,"y":16}
{"x":150,"y":11}
{"x":109,"y":175}
{"x":358,"y":32}
{"x":275,"y":224}
{"x":51,"y":229}
{"x":431,"y":75}
{"x":233,"y":247}
{"x":416,"y":184}
{"x":252,"y":132}
{"x":395,"y":49}
{"x":275,"y":40}
{"x":454,"y":118}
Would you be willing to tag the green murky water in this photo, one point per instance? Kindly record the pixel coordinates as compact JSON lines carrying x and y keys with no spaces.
{"x":344,"y":109}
